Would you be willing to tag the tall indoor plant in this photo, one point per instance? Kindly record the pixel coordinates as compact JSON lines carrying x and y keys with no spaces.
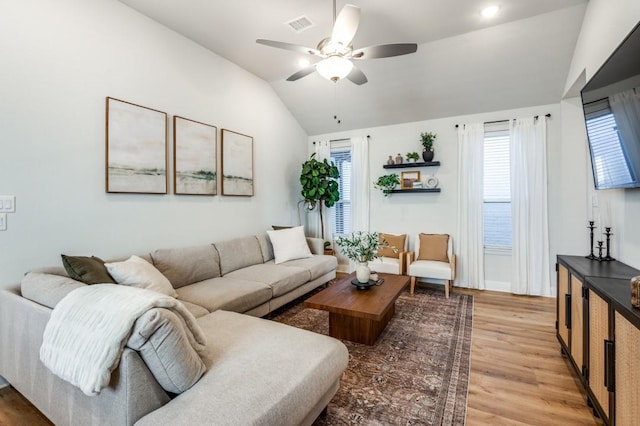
{"x":319,"y":181}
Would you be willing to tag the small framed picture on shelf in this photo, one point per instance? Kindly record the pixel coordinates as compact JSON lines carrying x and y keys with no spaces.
{"x":408,"y":178}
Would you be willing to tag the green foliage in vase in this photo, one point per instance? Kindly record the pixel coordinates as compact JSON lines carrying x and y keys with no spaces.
{"x":387,"y":183}
{"x":361,"y":246}
{"x":412,"y":156}
{"x":427,"y":139}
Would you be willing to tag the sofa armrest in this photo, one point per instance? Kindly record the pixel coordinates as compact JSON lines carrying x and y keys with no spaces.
{"x":316,"y":245}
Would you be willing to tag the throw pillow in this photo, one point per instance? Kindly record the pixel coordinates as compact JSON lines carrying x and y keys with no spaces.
{"x":137,"y":272}
{"x":396,"y":241}
{"x":89,"y":270}
{"x":289,"y":244}
{"x":434,"y":247}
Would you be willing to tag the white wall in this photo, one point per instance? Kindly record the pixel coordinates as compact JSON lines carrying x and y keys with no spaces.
{"x":437,"y":212}
{"x":59,"y":62}
{"x":606,"y":24}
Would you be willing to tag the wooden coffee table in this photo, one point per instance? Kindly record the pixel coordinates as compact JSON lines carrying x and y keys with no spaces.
{"x":359,"y":315}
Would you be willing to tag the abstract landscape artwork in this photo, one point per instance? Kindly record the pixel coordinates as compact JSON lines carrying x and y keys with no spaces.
{"x":136,"y":149}
{"x":194,"y":154}
{"x":237,"y":164}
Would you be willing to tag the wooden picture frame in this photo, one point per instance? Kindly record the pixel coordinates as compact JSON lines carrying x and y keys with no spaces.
{"x":408,"y":178}
{"x":195,"y":160}
{"x":136,"y":148}
{"x":237,"y":163}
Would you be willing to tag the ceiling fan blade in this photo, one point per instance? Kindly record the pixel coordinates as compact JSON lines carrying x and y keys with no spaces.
{"x":356,"y":76}
{"x":289,"y":46}
{"x":384,"y":51}
{"x":302,"y":73}
{"x":346,"y":25}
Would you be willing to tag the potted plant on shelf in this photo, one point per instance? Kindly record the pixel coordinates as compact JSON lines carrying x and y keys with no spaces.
{"x":427,"y":139}
{"x":327,"y":248}
{"x":413,"y":156}
{"x":319,"y":181}
{"x":387,"y":183}
{"x":361,"y":247}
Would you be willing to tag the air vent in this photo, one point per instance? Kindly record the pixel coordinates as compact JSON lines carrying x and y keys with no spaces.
{"x":300,"y":24}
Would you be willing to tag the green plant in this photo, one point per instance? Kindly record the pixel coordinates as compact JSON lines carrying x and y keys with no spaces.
{"x":427,"y":139}
{"x":319,"y":181}
{"x":387,"y":183}
{"x":361,"y":246}
{"x":412,"y":156}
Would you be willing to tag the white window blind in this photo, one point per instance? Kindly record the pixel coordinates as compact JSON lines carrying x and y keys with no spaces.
{"x":497,"y":187}
{"x":609,"y":160}
{"x":341,"y":214}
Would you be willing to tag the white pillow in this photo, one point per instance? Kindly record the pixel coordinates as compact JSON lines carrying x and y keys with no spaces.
{"x":137,"y":272}
{"x":289,"y":244}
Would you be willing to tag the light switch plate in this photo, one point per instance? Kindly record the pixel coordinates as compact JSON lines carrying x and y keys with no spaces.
{"x":7,"y":203}
{"x":3,"y":221}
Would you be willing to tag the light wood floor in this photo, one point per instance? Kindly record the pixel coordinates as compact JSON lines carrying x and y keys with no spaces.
{"x":518,"y":376}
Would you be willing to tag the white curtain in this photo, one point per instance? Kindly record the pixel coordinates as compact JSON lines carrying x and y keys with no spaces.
{"x":530,"y":250}
{"x":360,"y":184}
{"x":469,"y":241}
{"x":323,"y":151}
{"x":626,"y":110}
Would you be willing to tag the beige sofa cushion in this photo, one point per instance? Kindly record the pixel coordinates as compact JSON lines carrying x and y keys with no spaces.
{"x":196,"y":310}
{"x":281,"y":279}
{"x":226,"y":293}
{"x":265,"y":247}
{"x":47,"y":289}
{"x":290,"y":372}
{"x":238,"y":253}
{"x":159,"y":336}
{"x":188,"y":265}
{"x":318,"y":265}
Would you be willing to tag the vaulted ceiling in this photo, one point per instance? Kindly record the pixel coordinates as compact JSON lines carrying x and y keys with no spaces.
{"x":465,"y":63}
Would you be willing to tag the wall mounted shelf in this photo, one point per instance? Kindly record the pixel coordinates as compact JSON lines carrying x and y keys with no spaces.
{"x":409,"y":165}
{"x":400,"y":191}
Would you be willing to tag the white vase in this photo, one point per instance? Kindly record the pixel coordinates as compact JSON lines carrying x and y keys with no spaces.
{"x":363,"y":272}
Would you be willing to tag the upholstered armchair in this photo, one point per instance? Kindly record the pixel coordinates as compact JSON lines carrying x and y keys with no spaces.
{"x":432,"y":259}
{"x":391,"y":262}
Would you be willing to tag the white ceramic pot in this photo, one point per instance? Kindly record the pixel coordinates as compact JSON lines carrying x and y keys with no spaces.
{"x":362,"y":272}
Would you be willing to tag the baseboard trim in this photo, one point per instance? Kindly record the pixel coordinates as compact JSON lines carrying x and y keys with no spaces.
{"x":502,"y":286}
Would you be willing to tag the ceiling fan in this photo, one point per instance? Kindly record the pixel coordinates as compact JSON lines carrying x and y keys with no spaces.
{"x":337,"y":51}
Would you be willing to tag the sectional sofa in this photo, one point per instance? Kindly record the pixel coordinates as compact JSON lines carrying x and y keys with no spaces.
{"x":252,"y":371}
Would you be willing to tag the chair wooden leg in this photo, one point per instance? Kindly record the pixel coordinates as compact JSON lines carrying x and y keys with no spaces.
{"x":413,"y":284}
{"x":447,"y":284}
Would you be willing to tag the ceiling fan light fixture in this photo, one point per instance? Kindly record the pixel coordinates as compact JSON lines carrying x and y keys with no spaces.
{"x":334,"y":68}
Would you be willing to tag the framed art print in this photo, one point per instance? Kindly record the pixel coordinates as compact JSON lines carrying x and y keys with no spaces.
{"x":408,"y":178}
{"x":136,"y":149}
{"x":237,"y":164}
{"x":194,"y":157}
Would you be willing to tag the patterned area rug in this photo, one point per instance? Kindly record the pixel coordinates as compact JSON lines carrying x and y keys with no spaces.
{"x":417,"y":373}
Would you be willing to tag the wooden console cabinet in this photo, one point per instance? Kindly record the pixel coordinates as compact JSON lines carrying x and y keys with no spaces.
{"x":599,"y":331}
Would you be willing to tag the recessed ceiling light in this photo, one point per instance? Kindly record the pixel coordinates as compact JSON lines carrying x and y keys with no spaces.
{"x":489,"y":12}
{"x":304,"y":62}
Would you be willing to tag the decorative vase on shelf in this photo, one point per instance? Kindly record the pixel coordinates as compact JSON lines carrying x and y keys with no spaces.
{"x":399,"y":159}
{"x":427,"y":155}
{"x":390,"y":161}
{"x":362,"y":272}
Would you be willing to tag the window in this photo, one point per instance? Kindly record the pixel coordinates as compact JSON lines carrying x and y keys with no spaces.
{"x":497,"y":187}
{"x":341,"y":213}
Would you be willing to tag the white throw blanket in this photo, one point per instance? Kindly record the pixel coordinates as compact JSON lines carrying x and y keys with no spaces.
{"x":88,"y":329}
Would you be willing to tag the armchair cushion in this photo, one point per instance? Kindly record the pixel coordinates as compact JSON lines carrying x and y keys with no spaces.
{"x":397,"y":241}
{"x":386,"y":265}
{"x":433,"y":247}
{"x":431,"y":269}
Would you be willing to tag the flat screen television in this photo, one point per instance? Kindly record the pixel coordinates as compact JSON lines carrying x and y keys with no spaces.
{"x":611,"y":103}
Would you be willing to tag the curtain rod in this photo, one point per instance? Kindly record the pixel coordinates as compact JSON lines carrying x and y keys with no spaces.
{"x":502,"y":121}
{"x":340,"y":140}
